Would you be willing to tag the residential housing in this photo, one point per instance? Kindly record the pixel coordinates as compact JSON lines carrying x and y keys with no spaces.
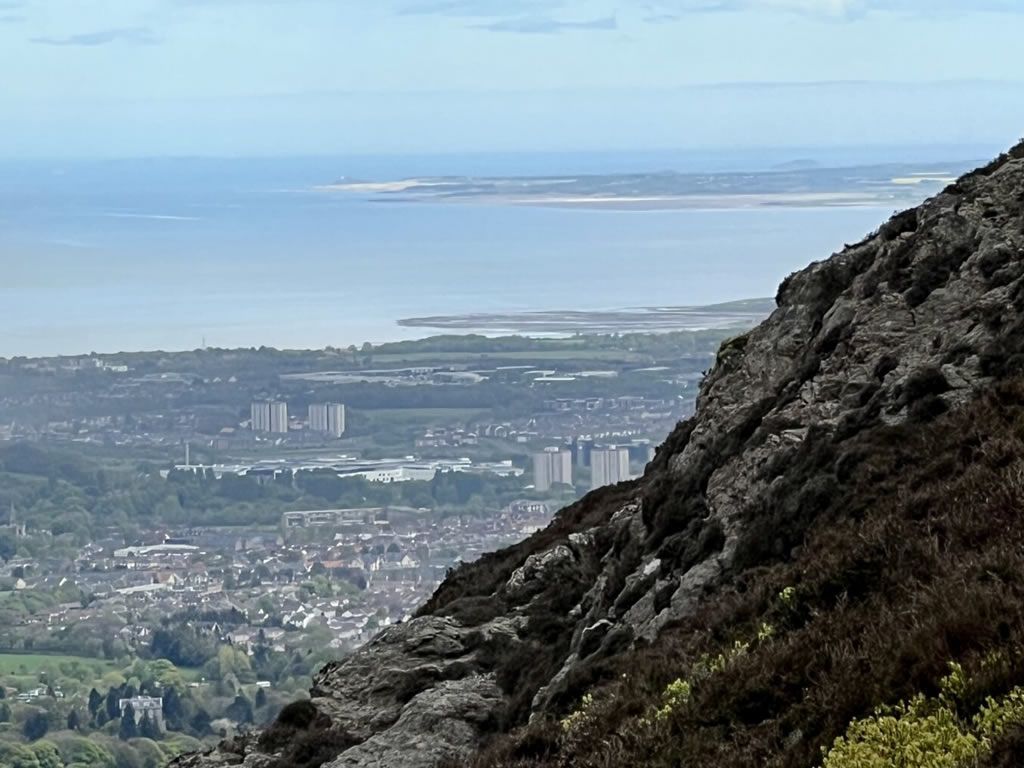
{"x":552,"y":466}
{"x":609,"y":465}
{"x":270,"y":416}
{"x":327,"y":418}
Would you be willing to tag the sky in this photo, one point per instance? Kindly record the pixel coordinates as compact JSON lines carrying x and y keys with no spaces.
{"x":109,"y":78}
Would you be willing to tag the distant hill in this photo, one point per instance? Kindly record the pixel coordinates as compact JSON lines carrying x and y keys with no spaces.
{"x":801,"y":164}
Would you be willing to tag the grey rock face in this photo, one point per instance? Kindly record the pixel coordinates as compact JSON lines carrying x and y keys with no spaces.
{"x":442,"y":723}
{"x":904,"y":325}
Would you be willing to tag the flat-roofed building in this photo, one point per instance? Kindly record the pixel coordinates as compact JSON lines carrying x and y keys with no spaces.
{"x":328,"y":418}
{"x":552,"y":466}
{"x":609,"y":465}
{"x":144,"y":707}
{"x":269,"y":416}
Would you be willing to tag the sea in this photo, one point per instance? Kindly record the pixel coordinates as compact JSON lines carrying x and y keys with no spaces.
{"x":144,"y":254}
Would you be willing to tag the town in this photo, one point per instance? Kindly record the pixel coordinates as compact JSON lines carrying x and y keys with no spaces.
{"x":187,"y":537}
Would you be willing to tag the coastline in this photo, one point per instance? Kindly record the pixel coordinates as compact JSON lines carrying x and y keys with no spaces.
{"x":397,"y":193}
{"x":738,"y":314}
{"x":898,"y":185}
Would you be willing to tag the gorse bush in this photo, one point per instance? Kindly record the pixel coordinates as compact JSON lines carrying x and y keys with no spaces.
{"x":577,"y":717}
{"x":929,"y":732}
{"x":676,"y":694}
{"x":917,"y":734}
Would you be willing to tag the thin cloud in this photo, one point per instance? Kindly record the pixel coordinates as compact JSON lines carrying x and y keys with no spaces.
{"x":548,"y":26}
{"x":130,"y":35}
{"x":477,"y":8}
{"x":823,"y":8}
{"x":837,"y":9}
{"x":12,"y":11}
{"x":662,"y":18}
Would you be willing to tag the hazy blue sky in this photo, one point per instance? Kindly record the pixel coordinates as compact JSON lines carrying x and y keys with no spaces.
{"x":130,"y":77}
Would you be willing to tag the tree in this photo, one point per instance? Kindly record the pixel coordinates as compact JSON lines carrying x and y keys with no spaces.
{"x":240,"y":710}
{"x":174,"y":713}
{"x":8,"y":547}
{"x":128,"y":729}
{"x":74,"y":720}
{"x":149,"y":728}
{"x":164,"y":672}
{"x":113,"y":703}
{"x":200,"y":723}
{"x":182,"y":645}
{"x":5,"y":712}
{"x":261,"y":698}
{"x":80,"y":751}
{"x":17,"y":756}
{"x":233,"y":661}
{"x":150,"y":753}
{"x":47,"y":755}
{"x":36,"y":726}
{"x":125,"y":755}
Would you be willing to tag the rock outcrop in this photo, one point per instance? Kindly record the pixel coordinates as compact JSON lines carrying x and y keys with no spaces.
{"x":904,"y":326}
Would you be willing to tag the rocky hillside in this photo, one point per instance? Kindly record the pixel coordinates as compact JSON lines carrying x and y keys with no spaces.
{"x":839,"y":528}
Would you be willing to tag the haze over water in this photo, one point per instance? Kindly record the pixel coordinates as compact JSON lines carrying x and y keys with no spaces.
{"x":162,"y":254}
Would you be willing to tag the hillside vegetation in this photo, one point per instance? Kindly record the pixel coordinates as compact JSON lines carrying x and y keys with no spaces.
{"x":898,"y":624}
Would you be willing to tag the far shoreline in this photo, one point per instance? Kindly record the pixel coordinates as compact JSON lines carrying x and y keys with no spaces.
{"x":898,"y":184}
{"x":695,"y":203}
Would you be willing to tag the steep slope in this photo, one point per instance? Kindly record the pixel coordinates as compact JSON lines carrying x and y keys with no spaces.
{"x":838,"y":522}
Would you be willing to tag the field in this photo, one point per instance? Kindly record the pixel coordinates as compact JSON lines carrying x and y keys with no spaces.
{"x":72,"y":674}
{"x":32,"y":663}
{"x":68,"y":670}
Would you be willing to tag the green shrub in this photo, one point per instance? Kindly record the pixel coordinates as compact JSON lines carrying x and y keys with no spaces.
{"x":676,"y":694}
{"x":578,"y":716}
{"x":912,"y":735}
{"x":928,"y":732}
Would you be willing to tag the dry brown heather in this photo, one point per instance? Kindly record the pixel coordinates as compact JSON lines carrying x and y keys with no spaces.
{"x":914,"y":559}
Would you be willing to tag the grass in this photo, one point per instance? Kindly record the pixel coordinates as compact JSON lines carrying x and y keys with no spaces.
{"x":12,"y":663}
{"x":24,"y":670}
{"x":191,"y":674}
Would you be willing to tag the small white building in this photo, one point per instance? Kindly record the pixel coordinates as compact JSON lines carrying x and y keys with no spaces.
{"x":143,"y":706}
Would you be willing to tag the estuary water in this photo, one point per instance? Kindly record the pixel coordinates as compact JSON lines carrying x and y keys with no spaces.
{"x":167,"y":254}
